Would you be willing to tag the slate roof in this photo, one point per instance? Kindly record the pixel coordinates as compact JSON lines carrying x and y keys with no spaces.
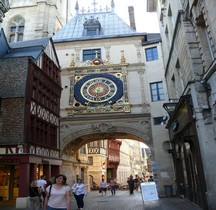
{"x":151,"y":38}
{"x":3,"y":43}
{"x":33,"y":48}
{"x":111,"y":26}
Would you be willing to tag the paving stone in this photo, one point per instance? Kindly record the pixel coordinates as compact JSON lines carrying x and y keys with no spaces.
{"x":122,"y":201}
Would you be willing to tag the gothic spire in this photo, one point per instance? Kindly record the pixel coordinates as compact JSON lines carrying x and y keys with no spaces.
{"x":94,"y":3}
{"x":77,"y":7}
{"x":112,"y":5}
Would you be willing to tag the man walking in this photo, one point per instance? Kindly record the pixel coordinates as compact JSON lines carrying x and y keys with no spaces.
{"x":41,"y":183}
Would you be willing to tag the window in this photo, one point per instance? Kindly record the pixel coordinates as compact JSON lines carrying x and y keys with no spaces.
{"x":91,"y":32}
{"x":82,"y":174}
{"x":90,"y":160}
{"x":158,"y":120}
{"x":16,"y":30}
{"x":91,"y":54}
{"x":83,"y":150}
{"x":151,"y":54}
{"x":206,"y":45}
{"x":157,"y":92}
{"x":92,"y":27}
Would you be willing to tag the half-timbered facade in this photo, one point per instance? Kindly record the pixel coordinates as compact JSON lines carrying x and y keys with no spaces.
{"x":30,"y":91}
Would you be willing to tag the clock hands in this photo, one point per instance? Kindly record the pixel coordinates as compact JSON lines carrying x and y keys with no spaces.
{"x":98,"y":89}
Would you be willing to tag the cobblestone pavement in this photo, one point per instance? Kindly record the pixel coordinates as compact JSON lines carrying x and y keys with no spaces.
{"x":122,"y":201}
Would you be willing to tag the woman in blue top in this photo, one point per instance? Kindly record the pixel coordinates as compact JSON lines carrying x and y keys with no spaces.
{"x":79,"y":191}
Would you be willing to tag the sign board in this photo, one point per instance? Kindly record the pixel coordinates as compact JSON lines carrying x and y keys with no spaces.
{"x":149,"y":191}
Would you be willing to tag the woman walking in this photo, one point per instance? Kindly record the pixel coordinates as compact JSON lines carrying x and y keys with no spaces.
{"x":58,"y":195}
{"x":79,"y":191}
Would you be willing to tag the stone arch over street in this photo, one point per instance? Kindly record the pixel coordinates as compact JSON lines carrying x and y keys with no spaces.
{"x":78,"y":131}
{"x":74,"y":141}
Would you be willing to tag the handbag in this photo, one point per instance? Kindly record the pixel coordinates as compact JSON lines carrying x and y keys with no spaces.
{"x":100,"y":190}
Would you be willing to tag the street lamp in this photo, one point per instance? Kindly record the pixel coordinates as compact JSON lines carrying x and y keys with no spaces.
{"x":170,"y":107}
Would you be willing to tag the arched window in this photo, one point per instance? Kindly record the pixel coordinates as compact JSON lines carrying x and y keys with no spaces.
{"x":16,"y":29}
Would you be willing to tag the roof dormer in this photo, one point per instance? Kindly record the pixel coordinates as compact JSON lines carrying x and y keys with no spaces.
{"x":92,"y":27}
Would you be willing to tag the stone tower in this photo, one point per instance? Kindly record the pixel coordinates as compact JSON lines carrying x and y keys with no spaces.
{"x":34,"y":19}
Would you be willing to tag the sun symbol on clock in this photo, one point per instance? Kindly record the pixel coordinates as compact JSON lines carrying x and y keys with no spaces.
{"x":98,"y":89}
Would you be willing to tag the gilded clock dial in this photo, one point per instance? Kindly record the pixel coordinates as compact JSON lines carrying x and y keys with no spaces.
{"x":98,"y":89}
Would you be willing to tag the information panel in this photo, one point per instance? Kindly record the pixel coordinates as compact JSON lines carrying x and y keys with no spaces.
{"x":149,"y":191}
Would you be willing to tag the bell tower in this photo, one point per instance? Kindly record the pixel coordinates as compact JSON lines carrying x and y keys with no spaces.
{"x":32,"y":19}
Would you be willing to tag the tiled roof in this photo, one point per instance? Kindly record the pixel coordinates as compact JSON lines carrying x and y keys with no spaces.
{"x":111,"y":26}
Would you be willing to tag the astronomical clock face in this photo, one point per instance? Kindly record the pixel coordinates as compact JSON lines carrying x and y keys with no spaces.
{"x":98,"y":88}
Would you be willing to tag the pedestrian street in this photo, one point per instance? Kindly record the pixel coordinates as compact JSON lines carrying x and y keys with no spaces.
{"x":124,"y":201}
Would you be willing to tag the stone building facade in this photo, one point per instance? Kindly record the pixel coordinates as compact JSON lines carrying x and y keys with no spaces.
{"x":127,"y":63}
{"x":27,"y":20}
{"x":188,"y":43}
{"x":137,"y":111}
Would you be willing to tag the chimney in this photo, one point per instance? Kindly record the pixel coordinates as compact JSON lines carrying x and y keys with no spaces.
{"x":132,"y":17}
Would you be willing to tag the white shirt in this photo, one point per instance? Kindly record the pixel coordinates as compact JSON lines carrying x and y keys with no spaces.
{"x":57,"y":197}
{"x":103,"y":184}
{"x":79,"y":189}
{"x":41,"y":183}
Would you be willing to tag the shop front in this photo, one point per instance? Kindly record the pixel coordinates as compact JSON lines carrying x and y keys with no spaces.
{"x":190,"y":181}
{"x":17,"y":172}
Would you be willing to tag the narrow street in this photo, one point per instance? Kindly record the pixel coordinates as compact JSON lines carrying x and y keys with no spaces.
{"x":122,"y":201}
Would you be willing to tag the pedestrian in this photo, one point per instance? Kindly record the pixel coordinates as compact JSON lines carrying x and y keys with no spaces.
{"x":34,"y":194}
{"x":41,"y":183}
{"x":58,"y":195}
{"x":150,"y":179}
{"x":131,"y":184}
{"x":136,"y":182}
{"x":103,"y":186}
{"x":79,"y":191}
{"x":113,"y":186}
